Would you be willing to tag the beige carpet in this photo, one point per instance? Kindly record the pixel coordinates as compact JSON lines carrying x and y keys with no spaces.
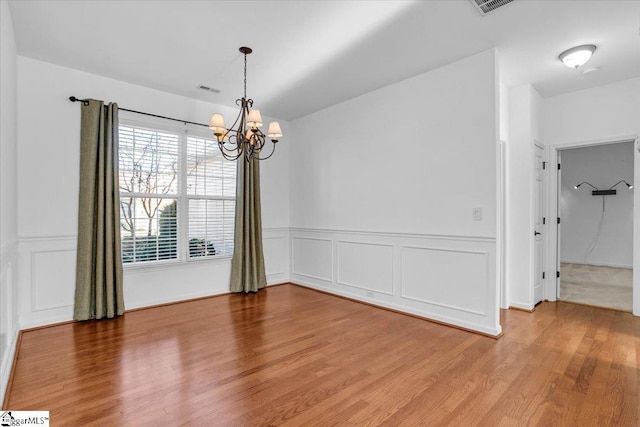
{"x":596,"y":285}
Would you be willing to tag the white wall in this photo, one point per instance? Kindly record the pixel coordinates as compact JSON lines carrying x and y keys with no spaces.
{"x":525,"y":124}
{"x":599,"y":115}
{"x":601,"y":166}
{"x":504,"y":112}
{"x":48,"y":156}
{"x":383,"y":189}
{"x":8,"y":197}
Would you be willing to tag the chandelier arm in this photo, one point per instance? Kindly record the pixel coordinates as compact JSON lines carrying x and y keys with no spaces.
{"x":239,"y":102}
{"x":244,"y":115}
{"x":228,"y":146}
{"x":273,"y":150}
{"x":259,"y":140}
{"x":230,"y":157}
{"x":229,"y":142}
{"x":248,"y":153}
{"x":228,"y":153}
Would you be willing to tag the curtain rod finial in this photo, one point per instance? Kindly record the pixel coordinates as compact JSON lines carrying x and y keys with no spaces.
{"x":74,"y":99}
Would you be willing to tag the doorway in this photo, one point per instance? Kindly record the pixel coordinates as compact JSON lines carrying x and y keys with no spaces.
{"x":595,"y":231}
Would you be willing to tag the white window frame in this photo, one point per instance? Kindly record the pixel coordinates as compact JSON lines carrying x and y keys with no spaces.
{"x":182,"y":196}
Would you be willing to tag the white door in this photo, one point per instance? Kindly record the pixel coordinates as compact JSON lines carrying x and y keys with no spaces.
{"x":539,"y":224}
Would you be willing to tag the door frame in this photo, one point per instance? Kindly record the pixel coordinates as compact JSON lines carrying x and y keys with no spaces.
{"x":543,"y":226}
{"x":501,"y":219}
{"x":552,"y":262}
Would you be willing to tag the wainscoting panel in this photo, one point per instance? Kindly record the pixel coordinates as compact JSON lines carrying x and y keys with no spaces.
{"x":430,"y":275}
{"x":312,"y":257}
{"x":46,"y":274}
{"x":47,"y":267}
{"x":275,"y":242}
{"x":274,"y":249}
{"x":450,"y":279}
{"x":9,"y":325}
{"x":366,"y":266}
{"x":47,"y":280}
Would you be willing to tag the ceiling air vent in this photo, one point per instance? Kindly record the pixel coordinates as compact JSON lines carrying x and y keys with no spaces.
{"x":208,"y":89}
{"x":487,"y":6}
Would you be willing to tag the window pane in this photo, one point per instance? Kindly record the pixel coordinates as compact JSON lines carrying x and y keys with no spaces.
{"x":148,"y":228}
{"x":149,"y":172}
{"x":148,"y":161}
{"x":211,"y":227}
{"x":208,"y":173}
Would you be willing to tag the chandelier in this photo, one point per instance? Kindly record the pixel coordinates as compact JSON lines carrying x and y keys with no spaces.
{"x":244,"y":137}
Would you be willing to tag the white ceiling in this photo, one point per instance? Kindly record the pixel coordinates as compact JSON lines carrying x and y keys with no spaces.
{"x":309,"y":55}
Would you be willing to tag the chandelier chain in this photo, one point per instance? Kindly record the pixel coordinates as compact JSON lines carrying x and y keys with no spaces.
{"x":245,"y":76}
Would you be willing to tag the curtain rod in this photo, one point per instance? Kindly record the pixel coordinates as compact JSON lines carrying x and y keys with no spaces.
{"x":86,"y":102}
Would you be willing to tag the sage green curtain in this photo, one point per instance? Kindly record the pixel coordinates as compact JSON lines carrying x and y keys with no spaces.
{"x":247,"y":265}
{"x":99,"y":259}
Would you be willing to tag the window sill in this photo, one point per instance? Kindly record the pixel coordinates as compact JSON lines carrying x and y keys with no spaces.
{"x":174,"y":264}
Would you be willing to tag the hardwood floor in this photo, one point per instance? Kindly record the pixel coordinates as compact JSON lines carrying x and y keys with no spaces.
{"x":294,"y":356}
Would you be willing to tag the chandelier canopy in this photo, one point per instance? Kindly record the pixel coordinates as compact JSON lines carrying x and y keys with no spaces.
{"x":244,"y":137}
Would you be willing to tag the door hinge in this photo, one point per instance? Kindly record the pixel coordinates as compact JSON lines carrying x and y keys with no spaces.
{"x":543,"y":275}
{"x":558,"y":166}
{"x":558,"y":220}
{"x":557,"y":274}
{"x":544,"y":165}
{"x":544,"y":220}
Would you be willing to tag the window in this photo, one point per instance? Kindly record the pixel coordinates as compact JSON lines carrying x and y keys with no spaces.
{"x":211,"y":195}
{"x":177,"y":196}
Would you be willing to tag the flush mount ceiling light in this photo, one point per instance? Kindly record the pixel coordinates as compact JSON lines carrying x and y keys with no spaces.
{"x":577,"y":56}
{"x":244,"y":137}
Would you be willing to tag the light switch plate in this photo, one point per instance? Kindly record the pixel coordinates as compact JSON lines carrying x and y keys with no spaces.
{"x":476,"y":214}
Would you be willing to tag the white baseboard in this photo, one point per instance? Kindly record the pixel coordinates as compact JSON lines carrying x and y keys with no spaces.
{"x":597,"y":264}
{"x":521,"y":306}
{"x":7,"y":366}
{"x":471,"y":327}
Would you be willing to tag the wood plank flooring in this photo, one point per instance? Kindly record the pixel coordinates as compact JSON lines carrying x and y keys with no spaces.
{"x":293,"y":356}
